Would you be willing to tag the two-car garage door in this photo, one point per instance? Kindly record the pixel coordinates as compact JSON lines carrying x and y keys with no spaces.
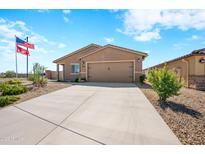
{"x":110,"y":72}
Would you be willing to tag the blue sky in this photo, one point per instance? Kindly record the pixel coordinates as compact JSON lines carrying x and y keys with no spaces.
{"x":164,"y":34}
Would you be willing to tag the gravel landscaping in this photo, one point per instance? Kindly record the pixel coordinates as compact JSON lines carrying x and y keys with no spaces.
{"x":184,"y":114}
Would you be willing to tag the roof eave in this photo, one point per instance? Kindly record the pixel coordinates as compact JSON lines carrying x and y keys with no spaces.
{"x":59,"y":59}
{"x":113,"y":46}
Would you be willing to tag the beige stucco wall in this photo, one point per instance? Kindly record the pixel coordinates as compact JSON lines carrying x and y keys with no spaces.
{"x":113,"y":54}
{"x":74,"y":59}
{"x":107,"y":54}
{"x":192,"y":65}
{"x":176,"y":66}
{"x":200,"y":67}
{"x":195,"y":69}
{"x":197,"y":73}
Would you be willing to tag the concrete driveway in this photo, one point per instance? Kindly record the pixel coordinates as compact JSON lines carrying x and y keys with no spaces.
{"x":89,"y":113}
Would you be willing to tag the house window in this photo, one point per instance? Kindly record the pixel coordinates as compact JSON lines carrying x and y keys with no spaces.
{"x":75,"y":68}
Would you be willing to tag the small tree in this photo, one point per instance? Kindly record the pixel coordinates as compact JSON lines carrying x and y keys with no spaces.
{"x":38,"y":75}
{"x":10,"y":74}
{"x":165,"y":82}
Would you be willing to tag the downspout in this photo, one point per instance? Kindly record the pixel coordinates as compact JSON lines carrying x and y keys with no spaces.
{"x":187,"y":67}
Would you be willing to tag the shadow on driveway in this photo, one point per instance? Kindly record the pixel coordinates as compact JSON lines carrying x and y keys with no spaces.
{"x":106,"y":84}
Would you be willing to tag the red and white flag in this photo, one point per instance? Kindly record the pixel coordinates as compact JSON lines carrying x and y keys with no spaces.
{"x":22,"y":51}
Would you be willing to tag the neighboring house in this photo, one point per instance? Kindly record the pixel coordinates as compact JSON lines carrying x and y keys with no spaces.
{"x":190,"y":67}
{"x":97,"y":63}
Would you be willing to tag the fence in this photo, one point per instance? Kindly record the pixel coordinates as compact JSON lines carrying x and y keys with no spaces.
{"x":54,"y":75}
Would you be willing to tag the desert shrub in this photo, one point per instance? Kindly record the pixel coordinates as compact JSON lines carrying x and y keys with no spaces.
{"x":77,"y":80}
{"x":14,"y":81}
{"x":12,"y":89}
{"x":2,"y":86}
{"x":41,"y":82}
{"x":6,"y":100}
{"x":31,"y":77}
{"x":10,"y":74}
{"x":142,"y":78}
{"x":165,"y":82}
{"x":38,"y":75}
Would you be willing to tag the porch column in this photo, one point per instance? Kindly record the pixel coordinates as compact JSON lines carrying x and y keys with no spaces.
{"x":58,"y":72}
{"x":64,"y":72}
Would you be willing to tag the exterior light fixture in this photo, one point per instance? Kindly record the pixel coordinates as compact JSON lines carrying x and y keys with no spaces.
{"x":138,"y":59}
{"x":202,"y":60}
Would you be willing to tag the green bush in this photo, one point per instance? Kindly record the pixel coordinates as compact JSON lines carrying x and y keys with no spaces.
{"x":2,"y":86}
{"x":14,"y":81}
{"x":2,"y":75}
{"x":12,"y":89}
{"x":6,"y":100}
{"x":77,"y":80}
{"x":10,"y":74}
{"x":142,"y":78}
{"x":165,"y":82}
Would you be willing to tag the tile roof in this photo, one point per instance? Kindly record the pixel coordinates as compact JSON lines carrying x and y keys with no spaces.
{"x":199,"y":51}
{"x":194,"y":52}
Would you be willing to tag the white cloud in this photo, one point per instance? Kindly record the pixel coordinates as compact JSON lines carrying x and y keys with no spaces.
{"x":8,"y":53}
{"x":141,"y":22}
{"x":66,"y":19}
{"x":22,"y":25}
{"x":194,"y":37}
{"x":42,"y":10}
{"x":66,"y":11}
{"x":147,"y":51}
{"x":8,"y":29}
{"x":119,"y":30}
{"x":147,"y":36}
{"x":7,"y":32}
{"x":40,"y":49}
{"x":37,"y":38}
{"x":2,"y":20}
{"x":114,"y":10}
{"x":180,"y":46}
{"x":109,"y":39}
{"x":61,"y":45}
{"x":43,"y":46}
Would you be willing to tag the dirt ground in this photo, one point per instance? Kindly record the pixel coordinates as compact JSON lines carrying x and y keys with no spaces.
{"x":184,"y":114}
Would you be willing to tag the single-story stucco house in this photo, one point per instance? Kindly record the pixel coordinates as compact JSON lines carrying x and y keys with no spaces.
{"x":190,"y":67}
{"x":108,"y":63}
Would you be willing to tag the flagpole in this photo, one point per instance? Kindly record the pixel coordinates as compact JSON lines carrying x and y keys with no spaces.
{"x":27,"y":60}
{"x":16,"y":60}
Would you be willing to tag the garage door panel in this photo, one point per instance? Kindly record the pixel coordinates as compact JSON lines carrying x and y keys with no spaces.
{"x":111,"y":72}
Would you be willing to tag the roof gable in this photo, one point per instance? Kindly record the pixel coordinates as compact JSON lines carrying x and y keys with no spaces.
{"x":116,"y":47}
{"x":77,"y":51}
